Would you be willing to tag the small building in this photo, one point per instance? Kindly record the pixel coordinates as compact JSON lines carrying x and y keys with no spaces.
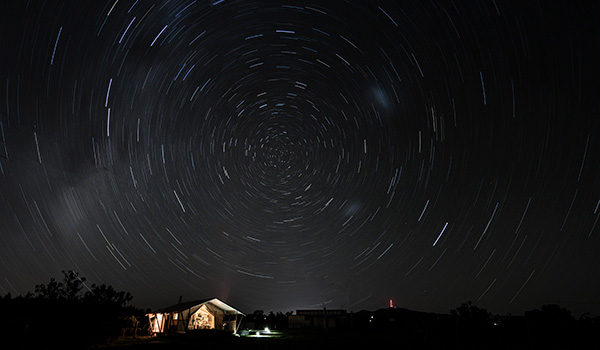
{"x":195,"y":315}
{"x":319,"y":319}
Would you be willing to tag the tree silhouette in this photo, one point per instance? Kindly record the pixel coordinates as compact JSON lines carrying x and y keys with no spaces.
{"x":107,"y":295}
{"x":69,"y":289}
{"x":472,"y":324}
{"x":60,"y":314}
{"x":473,"y":313}
{"x":550,"y":326}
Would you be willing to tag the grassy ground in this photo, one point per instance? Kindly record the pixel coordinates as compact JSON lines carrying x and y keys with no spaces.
{"x":288,"y":340}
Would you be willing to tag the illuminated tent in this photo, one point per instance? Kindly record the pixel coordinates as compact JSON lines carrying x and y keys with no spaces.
{"x":195,"y":315}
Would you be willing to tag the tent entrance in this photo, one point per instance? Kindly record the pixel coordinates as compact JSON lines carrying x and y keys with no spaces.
{"x":202,"y":319}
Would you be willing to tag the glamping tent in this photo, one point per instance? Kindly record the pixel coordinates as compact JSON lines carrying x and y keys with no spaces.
{"x":194,"y":315}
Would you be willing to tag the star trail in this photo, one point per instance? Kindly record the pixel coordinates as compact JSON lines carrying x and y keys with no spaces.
{"x":303,"y":154}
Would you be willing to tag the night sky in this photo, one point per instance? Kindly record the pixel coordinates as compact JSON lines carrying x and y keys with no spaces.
{"x":282,"y":155}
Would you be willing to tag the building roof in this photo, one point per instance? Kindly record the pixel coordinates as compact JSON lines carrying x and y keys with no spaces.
{"x":197,"y":303}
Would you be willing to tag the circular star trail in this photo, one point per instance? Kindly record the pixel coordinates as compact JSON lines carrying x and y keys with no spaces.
{"x":281,"y":155}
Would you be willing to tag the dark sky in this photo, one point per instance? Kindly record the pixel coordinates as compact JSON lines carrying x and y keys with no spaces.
{"x":290,"y":154}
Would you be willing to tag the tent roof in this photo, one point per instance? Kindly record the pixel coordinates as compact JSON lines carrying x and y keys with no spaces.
{"x":197,"y":303}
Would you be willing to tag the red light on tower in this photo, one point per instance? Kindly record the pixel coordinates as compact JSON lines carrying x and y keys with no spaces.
{"x":391,"y":304}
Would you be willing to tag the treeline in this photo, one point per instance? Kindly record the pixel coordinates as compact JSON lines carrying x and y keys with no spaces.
{"x":68,"y":314}
{"x":259,"y":320}
{"x":472,"y":327}
{"x":465,"y":327}
{"x":549,"y":327}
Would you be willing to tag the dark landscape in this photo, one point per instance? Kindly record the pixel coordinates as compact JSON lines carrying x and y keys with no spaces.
{"x":60,"y":314}
{"x":300,"y":174}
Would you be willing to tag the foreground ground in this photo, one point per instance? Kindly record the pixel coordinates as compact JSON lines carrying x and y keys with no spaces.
{"x":317,"y":339}
{"x":289,"y":340}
